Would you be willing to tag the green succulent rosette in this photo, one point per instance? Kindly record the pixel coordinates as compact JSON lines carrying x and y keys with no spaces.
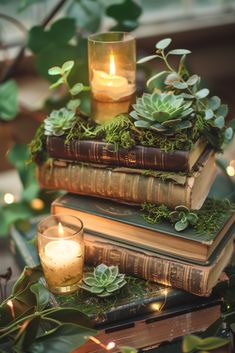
{"x":163,"y":112}
{"x":104,"y":281}
{"x":59,"y":121}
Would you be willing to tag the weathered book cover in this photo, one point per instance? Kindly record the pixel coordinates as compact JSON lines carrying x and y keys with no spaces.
{"x":131,"y":185}
{"x":126,"y":225}
{"x":192,"y":278}
{"x":151,"y":298}
{"x":136,"y":157}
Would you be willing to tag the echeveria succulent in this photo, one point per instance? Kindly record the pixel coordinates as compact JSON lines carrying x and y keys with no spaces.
{"x":163,"y":112}
{"x":182,"y":217}
{"x":59,"y":121}
{"x":104,"y":281}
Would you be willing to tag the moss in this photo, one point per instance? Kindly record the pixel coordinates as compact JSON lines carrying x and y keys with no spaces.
{"x":210,"y":217}
{"x":91,"y":305}
{"x":37,"y":146}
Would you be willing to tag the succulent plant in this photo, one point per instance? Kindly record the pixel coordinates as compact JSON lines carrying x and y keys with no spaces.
{"x":59,"y":121}
{"x":164,"y":112}
{"x":183,"y":218}
{"x":104,"y":281}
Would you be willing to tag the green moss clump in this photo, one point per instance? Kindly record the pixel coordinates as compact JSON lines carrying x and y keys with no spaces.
{"x":210,"y":217}
{"x":37,"y":146}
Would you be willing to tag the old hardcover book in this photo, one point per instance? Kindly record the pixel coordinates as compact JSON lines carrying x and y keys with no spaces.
{"x":152,"y":298}
{"x":196,"y":279}
{"x":126,"y":225}
{"x":137,"y":157}
{"x":131,"y":185}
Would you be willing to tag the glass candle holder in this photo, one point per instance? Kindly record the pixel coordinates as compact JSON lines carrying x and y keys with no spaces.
{"x":61,"y":251}
{"x":112,"y":73}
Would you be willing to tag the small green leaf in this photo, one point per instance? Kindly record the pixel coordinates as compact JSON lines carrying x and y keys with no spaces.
{"x":146,"y":59}
{"x":222,"y":110}
{"x":173,"y":77}
{"x":228,"y":134}
{"x":190,"y":343}
{"x":202,"y":93}
{"x":214,"y":103}
{"x":57,"y":83}
{"x":162,"y":44}
{"x":179,"y":85}
{"x":67,"y":66}
{"x":192,"y":80}
{"x":157,"y":76}
{"x":8,"y":100}
{"x":219,"y":122}
{"x":179,"y":52}
{"x":73,"y":104}
{"x":55,"y":70}
{"x":76,"y":89}
{"x":42,"y":295}
{"x":209,"y":114}
{"x":180,"y":226}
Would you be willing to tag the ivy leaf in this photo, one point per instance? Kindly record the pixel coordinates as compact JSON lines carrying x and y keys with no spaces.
{"x":219,"y":122}
{"x":67,"y":66}
{"x":76,"y":89}
{"x":222,"y":110}
{"x":179,"y":85}
{"x":55,"y":70}
{"x":192,"y":80}
{"x":28,"y":276}
{"x":228,"y":134}
{"x":202,"y":93}
{"x":179,"y":52}
{"x":146,"y":59}
{"x":42,"y":295}
{"x":8,"y":100}
{"x":38,"y":39}
{"x":163,"y":44}
{"x":190,"y":343}
{"x":214,"y":103}
{"x":209,"y":114}
{"x":62,"y":30}
{"x":73,"y":104}
{"x":125,"y":26}
{"x":63,"y":339}
{"x":126,"y":11}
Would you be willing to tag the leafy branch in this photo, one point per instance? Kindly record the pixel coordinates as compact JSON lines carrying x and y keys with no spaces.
{"x":210,"y":114}
{"x":64,"y":71}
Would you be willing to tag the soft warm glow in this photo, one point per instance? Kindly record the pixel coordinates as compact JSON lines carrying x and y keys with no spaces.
{"x":156,"y":306}
{"x":37,"y":204}
{"x":60,"y":230}
{"x":230,"y":170}
{"x":9,"y":198}
{"x":232,"y":163}
{"x":110,"y":346}
{"x":10,"y":304}
{"x":112,"y":66}
{"x":165,"y":292}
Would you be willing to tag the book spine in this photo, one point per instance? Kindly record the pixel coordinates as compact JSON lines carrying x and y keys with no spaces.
{"x":107,"y":183}
{"x":106,"y":153}
{"x":191,"y":278}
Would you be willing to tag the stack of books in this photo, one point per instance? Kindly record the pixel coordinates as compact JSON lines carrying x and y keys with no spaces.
{"x":116,"y":233}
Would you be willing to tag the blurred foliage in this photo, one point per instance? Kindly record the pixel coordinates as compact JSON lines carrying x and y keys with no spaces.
{"x":8,"y":100}
{"x":19,"y":212}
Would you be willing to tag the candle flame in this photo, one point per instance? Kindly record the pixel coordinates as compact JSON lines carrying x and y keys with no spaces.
{"x":60,"y":230}
{"x":112,"y":67}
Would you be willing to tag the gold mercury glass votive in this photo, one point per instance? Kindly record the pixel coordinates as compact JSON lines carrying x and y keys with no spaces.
{"x":61,"y":251}
{"x":112,"y":73}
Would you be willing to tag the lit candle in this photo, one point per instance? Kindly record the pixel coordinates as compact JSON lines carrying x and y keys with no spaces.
{"x":61,"y":259}
{"x":109,"y":86}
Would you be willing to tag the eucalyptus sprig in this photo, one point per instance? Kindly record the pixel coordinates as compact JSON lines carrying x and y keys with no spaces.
{"x":64,"y":71}
{"x":210,"y":114}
